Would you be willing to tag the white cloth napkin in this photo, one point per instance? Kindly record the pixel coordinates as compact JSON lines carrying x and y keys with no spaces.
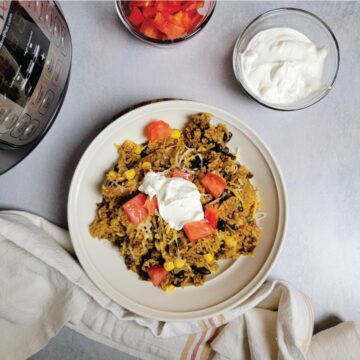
{"x":43,"y":288}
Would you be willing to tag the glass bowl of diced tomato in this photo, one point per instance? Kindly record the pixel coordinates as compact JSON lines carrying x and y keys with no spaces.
{"x":166,"y":22}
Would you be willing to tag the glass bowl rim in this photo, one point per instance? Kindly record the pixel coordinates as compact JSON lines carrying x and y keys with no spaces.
{"x":145,"y":38}
{"x":296,"y":10}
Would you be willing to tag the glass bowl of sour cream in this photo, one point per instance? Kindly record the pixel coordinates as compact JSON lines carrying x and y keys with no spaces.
{"x":286,"y":59}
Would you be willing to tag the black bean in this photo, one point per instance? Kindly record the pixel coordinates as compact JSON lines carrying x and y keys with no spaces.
{"x":116,"y":168}
{"x":217,"y":148}
{"x":176,"y":284}
{"x":227,"y":137}
{"x":206,"y":162}
{"x":202,"y":270}
{"x":143,"y":275}
{"x":231,"y":156}
{"x":226,"y":150}
{"x":221,"y":225}
{"x":195,"y":163}
{"x":128,"y":260}
{"x":225,"y":196}
{"x":144,"y":152}
{"x":180,"y":275}
{"x":145,"y":257}
{"x":119,"y":240}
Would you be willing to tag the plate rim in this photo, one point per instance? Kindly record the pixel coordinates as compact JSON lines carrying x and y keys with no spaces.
{"x":259,"y":278}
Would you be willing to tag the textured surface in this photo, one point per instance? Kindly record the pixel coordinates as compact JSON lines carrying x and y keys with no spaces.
{"x":317,"y":148}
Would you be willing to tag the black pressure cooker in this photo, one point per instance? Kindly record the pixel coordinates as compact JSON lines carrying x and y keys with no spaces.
{"x":35,"y":62}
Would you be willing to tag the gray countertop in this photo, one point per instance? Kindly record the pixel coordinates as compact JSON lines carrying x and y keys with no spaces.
{"x":317,"y":148}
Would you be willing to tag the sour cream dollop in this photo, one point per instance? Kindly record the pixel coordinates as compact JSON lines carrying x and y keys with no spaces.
{"x":282,"y":66}
{"x":178,"y":199}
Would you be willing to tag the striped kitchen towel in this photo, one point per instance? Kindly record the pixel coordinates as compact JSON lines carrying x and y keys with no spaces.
{"x":44,"y":288}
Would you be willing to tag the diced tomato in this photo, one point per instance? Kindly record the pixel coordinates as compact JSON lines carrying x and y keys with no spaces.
{"x":151,"y":205}
{"x":212,"y":216}
{"x":164,"y":23}
{"x":149,"y":12}
{"x":168,"y":19}
{"x":149,"y":30}
{"x":196,"y":230}
{"x":138,"y":3}
{"x":135,"y":209}
{"x":161,"y":21}
{"x":183,"y":18}
{"x":195,"y":21}
{"x":214,"y":184}
{"x":136,"y":17}
{"x":168,"y":7}
{"x":157,"y":274}
{"x":173,"y":31}
{"x":158,"y":130}
{"x":181,"y":174}
{"x":192,"y":5}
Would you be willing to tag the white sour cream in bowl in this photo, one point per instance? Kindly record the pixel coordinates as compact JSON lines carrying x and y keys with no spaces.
{"x":286,"y":59}
{"x":282,"y":66}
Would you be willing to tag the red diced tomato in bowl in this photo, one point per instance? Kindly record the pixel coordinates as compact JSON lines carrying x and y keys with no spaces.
{"x":142,"y":4}
{"x":192,"y":5}
{"x":171,"y":19}
{"x":149,"y":12}
{"x":168,"y":7}
{"x":147,"y":28}
{"x":136,"y":17}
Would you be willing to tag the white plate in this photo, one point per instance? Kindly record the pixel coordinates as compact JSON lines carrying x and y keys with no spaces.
{"x":106,"y":267}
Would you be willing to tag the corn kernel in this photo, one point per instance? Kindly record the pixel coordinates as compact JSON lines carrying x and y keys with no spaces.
{"x":146,"y":165}
{"x":209,"y":257}
{"x":170,"y":288}
{"x":175,"y":134}
{"x":128,"y":143}
{"x":230,"y":242}
{"x":138,"y":150}
{"x":130,"y":174}
{"x":179,"y":263}
{"x":169,"y":265}
{"x":111,"y":175}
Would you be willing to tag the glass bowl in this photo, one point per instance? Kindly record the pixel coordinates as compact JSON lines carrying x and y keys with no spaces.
{"x":308,"y":24}
{"x":207,"y":11}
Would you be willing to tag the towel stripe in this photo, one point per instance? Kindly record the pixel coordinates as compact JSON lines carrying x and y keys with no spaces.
{"x":222,"y":319}
{"x":208,"y":351}
{"x":197,"y":346}
{"x":212,"y":323}
{"x":202,"y":325}
{"x":188,"y":344}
